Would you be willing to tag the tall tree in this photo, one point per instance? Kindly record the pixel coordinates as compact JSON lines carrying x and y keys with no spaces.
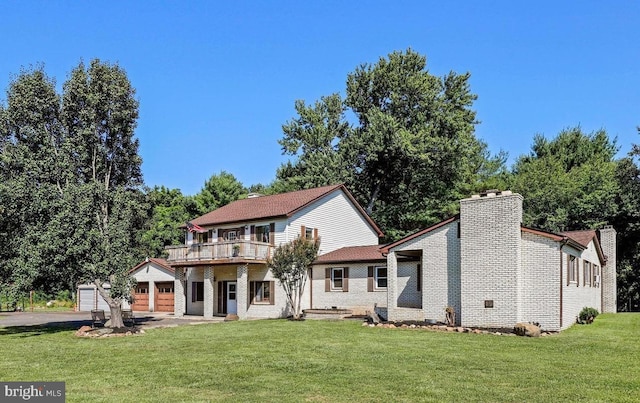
{"x":413,"y":152}
{"x":71,"y":182}
{"x":568,"y":182}
{"x":168,"y":210}
{"x":100,"y":113}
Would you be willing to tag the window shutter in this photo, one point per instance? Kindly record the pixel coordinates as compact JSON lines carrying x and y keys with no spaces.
{"x":253,"y":232}
{"x":303,"y":232}
{"x":241,"y":232}
{"x":577,"y":267}
{"x":272,"y":233}
{"x":272,"y":292}
{"x":252,"y":292}
{"x":345,"y":280}
{"x":568,"y":269}
{"x":370,"y":279}
{"x":315,"y":234}
{"x":418,"y":277}
{"x":327,"y":279}
{"x":193,"y":291}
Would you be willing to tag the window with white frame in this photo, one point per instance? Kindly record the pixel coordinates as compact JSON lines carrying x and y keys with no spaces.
{"x":231,"y":235}
{"x":596,"y":275}
{"x":261,"y":292}
{"x":337,"y":277}
{"x":586,"y":275}
{"x":572,"y":269}
{"x":308,"y":233}
{"x":381,"y":277}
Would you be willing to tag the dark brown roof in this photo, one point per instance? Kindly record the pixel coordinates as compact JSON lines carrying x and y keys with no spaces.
{"x":582,"y":237}
{"x":367,"y":253}
{"x":160,"y":262}
{"x":280,"y":205}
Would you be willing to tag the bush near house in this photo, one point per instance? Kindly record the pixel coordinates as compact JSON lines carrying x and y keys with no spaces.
{"x":587,"y":315}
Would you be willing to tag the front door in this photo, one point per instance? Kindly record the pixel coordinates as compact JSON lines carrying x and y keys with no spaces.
{"x":232,"y":306}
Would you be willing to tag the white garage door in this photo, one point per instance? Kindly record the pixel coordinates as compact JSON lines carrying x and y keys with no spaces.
{"x":86,"y":298}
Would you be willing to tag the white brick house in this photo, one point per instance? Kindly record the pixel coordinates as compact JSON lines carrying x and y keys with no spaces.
{"x":483,"y":263}
{"x":223,"y":270}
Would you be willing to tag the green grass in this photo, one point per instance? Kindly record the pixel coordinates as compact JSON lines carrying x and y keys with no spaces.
{"x":278,"y":360}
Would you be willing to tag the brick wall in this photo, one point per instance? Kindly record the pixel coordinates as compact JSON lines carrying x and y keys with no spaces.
{"x":179,"y":301}
{"x":540,"y":281}
{"x":609,"y":272}
{"x":491,"y":260}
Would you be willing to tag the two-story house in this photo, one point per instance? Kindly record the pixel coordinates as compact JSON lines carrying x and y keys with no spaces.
{"x":223,"y":268}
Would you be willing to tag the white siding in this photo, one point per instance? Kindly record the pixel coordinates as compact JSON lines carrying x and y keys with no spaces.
{"x":338,"y":221}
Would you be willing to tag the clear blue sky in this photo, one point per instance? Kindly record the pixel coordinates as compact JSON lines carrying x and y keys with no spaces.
{"x":216,"y":80}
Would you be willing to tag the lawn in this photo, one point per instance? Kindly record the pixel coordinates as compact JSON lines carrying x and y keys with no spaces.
{"x":279,"y":360}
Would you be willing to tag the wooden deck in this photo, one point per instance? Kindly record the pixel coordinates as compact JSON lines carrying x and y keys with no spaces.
{"x":219,"y":252}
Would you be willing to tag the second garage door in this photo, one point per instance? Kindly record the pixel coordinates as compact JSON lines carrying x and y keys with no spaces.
{"x":164,"y":297}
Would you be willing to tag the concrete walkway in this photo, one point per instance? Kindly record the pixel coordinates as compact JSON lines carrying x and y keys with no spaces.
{"x":76,"y":320}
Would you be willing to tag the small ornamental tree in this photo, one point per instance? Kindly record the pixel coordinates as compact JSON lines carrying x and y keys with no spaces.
{"x":290,"y":264}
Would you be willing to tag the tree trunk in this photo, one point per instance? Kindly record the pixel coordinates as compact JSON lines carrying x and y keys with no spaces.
{"x":115,"y":321}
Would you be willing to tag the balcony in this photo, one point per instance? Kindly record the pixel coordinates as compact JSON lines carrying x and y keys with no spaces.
{"x":219,"y":252}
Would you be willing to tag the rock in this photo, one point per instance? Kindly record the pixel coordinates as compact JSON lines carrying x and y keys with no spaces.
{"x":412,"y":326}
{"x":527,"y":329}
{"x":373,"y":316}
{"x":450,"y":329}
{"x":392,"y":326}
{"x":365,"y":324}
{"x":50,"y":303}
{"x":231,"y":317}
{"x":85,"y":329}
{"x":459,"y":329}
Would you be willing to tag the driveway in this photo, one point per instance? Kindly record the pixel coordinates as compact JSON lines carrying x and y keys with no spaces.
{"x":79,"y":319}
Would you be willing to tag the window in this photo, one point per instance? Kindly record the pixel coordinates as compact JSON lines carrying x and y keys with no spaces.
{"x":596,"y":276}
{"x":197,"y":291}
{"x":572,"y":269}
{"x":231,"y":235}
{"x":167,"y":289}
{"x":308,"y":233}
{"x":142,"y":290}
{"x":381,"y":277}
{"x":586,"y":274}
{"x":261,"y":292}
{"x":202,"y":237}
{"x":262,"y":233}
{"x":336,"y":279}
{"x":337,"y":275}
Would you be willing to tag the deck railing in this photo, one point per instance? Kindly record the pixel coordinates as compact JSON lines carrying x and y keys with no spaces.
{"x":219,"y":250}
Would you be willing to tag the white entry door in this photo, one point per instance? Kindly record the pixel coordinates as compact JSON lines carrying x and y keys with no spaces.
{"x":232,"y":294}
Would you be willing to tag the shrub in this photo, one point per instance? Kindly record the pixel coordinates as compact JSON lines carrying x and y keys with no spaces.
{"x":587,"y":315}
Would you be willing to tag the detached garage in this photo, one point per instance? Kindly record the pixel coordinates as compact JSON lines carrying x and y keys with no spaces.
{"x":155,"y":289}
{"x":154,"y":292}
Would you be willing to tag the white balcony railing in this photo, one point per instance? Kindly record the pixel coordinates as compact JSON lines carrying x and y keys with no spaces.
{"x":219,"y":250}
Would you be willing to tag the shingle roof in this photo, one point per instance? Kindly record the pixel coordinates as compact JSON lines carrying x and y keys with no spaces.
{"x":353,"y":254}
{"x":582,"y":237}
{"x":160,"y":262}
{"x":279,"y":205}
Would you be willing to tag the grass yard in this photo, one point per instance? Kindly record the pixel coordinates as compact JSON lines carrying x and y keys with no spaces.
{"x":318,"y":361}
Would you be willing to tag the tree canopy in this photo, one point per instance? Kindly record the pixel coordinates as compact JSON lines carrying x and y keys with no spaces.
{"x":410,"y":155}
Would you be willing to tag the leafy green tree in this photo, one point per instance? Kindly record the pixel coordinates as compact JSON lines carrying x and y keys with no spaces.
{"x":168,"y":210}
{"x":290,"y":264}
{"x":71,"y":182}
{"x":569,"y":182}
{"x":100,"y":113}
{"x":412,"y":154}
{"x":219,"y":190}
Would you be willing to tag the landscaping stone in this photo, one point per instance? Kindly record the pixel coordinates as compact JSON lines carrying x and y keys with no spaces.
{"x":231,"y":317}
{"x":527,"y":329}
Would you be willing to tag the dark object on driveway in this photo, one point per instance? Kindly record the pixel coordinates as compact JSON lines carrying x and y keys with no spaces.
{"x":97,"y":317}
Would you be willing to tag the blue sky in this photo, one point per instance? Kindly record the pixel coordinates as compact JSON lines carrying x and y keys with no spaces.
{"x":216,"y":80}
